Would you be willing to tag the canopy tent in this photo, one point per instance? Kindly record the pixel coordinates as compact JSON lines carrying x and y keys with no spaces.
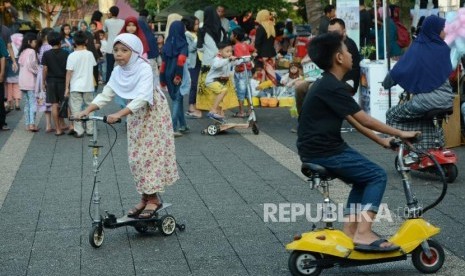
{"x":188,"y":7}
{"x":125,"y":10}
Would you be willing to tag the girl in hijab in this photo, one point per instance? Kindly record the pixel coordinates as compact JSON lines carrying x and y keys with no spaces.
{"x":193,"y":63}
{"x":424,"y":72}
{"x":209,"y":36}
{"x":132,"y":26}
{"x":169,"y":20}
{"x":264,"y":43}
{"x":175,"y":53}
{"x":151,"y":148}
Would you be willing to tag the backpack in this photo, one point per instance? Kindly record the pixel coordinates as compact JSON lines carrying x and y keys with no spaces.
{"x":403,"y":35}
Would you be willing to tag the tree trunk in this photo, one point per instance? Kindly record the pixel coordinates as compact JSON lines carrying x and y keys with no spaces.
{"x":141,"y":5}
{"x":314,"y":13}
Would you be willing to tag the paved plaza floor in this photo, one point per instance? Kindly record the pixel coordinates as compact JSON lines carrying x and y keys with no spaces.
{"x":225,"y":182}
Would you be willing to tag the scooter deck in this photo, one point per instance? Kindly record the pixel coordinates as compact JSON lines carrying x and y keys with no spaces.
{"x":125,"y":220}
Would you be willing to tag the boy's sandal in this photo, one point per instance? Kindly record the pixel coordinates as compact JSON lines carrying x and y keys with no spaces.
{"x":215,"y":116}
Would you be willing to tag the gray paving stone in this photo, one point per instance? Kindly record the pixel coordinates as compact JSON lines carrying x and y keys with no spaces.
{"x":14,"y":265}
{"x":55,"y":262}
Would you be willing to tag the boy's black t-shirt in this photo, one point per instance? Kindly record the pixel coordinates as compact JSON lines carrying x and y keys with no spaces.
{"x":326,"y":105}
{"x":55,"y":60}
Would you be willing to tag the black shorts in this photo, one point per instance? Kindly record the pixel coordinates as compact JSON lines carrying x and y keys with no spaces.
{"x":55,"y":91}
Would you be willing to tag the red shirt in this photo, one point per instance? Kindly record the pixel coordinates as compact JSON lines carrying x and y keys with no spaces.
{"x":242,"y":49}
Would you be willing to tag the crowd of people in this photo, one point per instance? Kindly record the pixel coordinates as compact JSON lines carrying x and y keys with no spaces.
{"x":188,"y":59}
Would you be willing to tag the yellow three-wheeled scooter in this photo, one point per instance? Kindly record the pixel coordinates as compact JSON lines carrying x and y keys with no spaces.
{"x":324,"y":248}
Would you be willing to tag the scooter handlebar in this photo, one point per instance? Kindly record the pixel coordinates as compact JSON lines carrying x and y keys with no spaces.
{"x":395,"y":143}
{"x":92,"y":118}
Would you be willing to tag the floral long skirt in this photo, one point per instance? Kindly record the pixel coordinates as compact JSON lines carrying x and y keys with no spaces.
{"x":151,"y":150}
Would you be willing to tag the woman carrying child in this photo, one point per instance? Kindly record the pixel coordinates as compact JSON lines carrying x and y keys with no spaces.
{"x":151,"y":150}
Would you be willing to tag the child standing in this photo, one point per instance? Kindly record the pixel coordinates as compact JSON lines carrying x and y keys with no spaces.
{"x":12,"y":89}
{"x":54,"y":77}
{"x":28,"y":68}
{"x":80,"y":81}
{"x":292,"y":78}
{"x":67,"y":43}
{"x":171,"y":73}
{"x":151,"y":151}
{"x":241,"y":74}
{"x":42,"y":105}
{"x":132,"y":26}
{"x":218,"y":77}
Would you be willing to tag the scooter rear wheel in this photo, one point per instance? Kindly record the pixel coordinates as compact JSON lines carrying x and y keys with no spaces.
{"x":298,"y":263}
{"x":428,"y":265}
{"x":96,"y":236}
{"x":167,"y":225}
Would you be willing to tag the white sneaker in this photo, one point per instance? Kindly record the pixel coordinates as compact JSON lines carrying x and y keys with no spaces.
{"x":177,"y":134}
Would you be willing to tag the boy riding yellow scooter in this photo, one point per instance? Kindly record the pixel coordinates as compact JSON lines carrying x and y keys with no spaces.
{"x":325,"y":155}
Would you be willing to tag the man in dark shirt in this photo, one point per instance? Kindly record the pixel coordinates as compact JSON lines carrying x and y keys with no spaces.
{"x":337,"y":25}
{"x":366,"y":23}
{"x":319,"y":140}
{"x":330,"y":12}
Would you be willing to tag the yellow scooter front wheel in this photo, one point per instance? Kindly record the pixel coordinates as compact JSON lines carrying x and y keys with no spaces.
{"x":426,"y":264}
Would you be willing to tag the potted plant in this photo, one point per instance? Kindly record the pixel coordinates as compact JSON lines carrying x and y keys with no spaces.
{"x":367,"y":51}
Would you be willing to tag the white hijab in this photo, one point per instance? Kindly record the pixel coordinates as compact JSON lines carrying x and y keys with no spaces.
{"x":135,"y":79}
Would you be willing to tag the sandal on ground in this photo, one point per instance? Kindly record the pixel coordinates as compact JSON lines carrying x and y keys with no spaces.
{"x":239,"y":115}
{"x":34,"y":129}
{"x":192,"y":115}
{"x":50,"y":130}
{"x":4,"y":128}
{"x":135,"y":212}
{"x":153,"y":205}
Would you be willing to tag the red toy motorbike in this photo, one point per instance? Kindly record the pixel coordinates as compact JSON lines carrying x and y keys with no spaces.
{"x":420,"y":160}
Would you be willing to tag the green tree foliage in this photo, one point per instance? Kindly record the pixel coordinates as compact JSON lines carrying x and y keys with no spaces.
{"x":150,"y":5}
{"x":279,"y":6}
{"x":49,"y":8}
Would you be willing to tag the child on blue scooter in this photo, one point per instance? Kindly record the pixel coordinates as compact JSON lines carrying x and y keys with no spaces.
{"x":327,"y":103}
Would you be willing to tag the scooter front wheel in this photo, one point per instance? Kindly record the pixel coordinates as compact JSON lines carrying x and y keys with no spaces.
{"x":96,"y":236}
{"x":428,"y":265}
{"x":300,"y":263}
{"x":451,"y":172}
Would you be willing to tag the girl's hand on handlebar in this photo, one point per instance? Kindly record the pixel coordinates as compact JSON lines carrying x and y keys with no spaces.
{"x":81,"y":114}
{"x":113,"y":118}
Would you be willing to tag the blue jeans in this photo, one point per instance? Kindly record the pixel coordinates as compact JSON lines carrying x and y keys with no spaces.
{"x":177,"y":114}
{"x":367,"y":178}
{"x":110,"y":59}
{"x":30,"y":107}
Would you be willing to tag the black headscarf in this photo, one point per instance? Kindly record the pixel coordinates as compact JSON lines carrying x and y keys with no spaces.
{"x":211,"y":26}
